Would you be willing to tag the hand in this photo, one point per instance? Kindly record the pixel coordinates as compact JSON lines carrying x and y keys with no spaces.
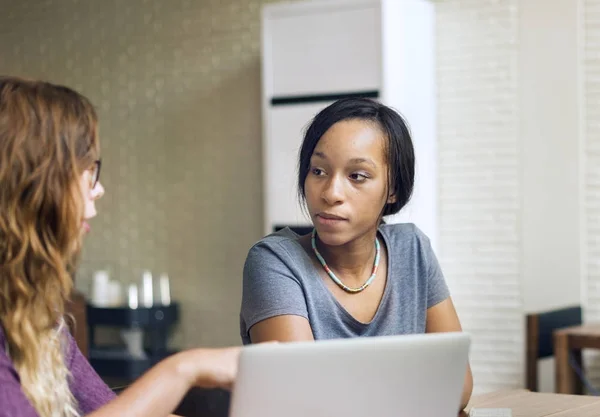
{"x":210,"y":368}
{"x":221,"y":366}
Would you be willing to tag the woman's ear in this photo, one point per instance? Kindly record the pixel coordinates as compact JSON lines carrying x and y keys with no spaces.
{"x":392,"y":199}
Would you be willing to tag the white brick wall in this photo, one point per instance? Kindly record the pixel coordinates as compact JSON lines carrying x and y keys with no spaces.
{"x":479,"y":181}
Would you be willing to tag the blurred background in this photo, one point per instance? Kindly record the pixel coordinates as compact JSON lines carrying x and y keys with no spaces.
{"x":178,"y":88}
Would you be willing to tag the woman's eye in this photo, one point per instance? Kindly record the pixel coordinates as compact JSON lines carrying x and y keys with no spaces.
{"x":358,"y":177}
{"x":317,"y":171}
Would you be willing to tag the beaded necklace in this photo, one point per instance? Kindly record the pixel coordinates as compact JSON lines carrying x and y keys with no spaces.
{"x":335,"y":279}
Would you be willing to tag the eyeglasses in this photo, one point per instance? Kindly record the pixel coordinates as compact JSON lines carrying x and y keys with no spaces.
{"x":96,"y":172}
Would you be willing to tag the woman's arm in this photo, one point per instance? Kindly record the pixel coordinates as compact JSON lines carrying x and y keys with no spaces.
{"x":273,"y":300}
{"x":158,"y":392}
{"x":285,"y":328}
{"x":442,"y":317}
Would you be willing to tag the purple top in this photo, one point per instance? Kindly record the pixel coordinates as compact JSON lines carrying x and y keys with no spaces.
{"x":88,"y":389}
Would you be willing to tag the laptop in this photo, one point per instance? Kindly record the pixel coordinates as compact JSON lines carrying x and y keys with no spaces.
{"x":388,"y":376}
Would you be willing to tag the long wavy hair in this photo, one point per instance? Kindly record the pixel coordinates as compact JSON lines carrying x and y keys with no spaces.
{"x":48,"y":138}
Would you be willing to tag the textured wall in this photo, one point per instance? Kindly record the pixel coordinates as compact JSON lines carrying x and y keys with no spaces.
{"x":177,"y":85}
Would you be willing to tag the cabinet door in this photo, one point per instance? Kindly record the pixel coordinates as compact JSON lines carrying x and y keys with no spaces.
{"x":283,"y":137}
{"x":321,"y":47}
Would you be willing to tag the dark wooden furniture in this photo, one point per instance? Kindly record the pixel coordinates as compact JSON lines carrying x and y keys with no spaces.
{"x":540,"y":328}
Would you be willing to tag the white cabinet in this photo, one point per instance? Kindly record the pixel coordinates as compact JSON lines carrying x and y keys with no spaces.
{"x":312,"y":48}
{"x":316,"y":51}
{"x":282,"y":144}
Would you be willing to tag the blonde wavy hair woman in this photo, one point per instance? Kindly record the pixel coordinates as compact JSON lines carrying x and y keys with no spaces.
{"x":49,"y":182}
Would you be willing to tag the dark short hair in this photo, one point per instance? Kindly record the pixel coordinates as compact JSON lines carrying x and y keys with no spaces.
{"x":400,"y":152}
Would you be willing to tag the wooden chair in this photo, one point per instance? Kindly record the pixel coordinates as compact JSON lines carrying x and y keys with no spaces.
{"x":539,"y":338}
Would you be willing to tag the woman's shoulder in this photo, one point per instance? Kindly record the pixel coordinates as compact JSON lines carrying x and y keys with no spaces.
{"x":406,"y":242}
{"x":403,"y":232}
{"x":281,"y":241}
{"x":281,"y":253}
{"x":69,"y":352}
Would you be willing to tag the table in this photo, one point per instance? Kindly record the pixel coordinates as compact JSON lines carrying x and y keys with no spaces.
{"x":570,"y":341}
{"x":534,"y":404}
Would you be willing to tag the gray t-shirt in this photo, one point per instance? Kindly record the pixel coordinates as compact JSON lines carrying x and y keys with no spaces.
{"x":280,"y":279}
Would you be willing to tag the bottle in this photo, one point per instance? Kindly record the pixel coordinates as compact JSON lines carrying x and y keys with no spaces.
{"x":147,"y":291}
{"x":165,"y":290}
{"x":132,"y":296}
{"x":101,"y":289}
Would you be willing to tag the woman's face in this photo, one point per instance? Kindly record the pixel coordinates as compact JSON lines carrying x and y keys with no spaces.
{"x":91,"y":190}
{"x":346,"y":187}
